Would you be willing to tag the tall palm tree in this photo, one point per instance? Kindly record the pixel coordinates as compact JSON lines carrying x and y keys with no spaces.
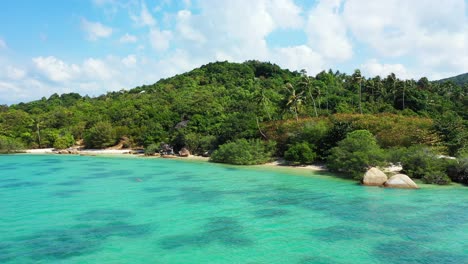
{"x":295,"y":100}
{"x":308,"y":86}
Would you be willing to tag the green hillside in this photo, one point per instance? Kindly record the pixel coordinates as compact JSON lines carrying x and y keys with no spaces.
{"x":460,"y":80}
{"x":255,"y":101}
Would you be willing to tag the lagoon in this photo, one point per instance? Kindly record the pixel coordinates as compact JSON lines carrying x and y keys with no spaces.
{"x":77,"y":209}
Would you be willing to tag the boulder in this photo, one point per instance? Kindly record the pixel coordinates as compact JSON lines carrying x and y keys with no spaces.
{"x":184,"y":152}
{"x":374,"y":177}
{"x":63,"y":151}
{"x":401,"y":181}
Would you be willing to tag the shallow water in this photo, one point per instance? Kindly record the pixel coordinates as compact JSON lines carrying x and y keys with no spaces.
{"x":74,"y":209}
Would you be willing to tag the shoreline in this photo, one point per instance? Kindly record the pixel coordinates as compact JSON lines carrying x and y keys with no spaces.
{"x":129,"y":153}
{"x":277,"y":165}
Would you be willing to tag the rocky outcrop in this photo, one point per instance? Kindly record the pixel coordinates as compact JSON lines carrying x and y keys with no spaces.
{"x":184,"y":152}
{"x":401,"y":181}
{"x":374,"y":177}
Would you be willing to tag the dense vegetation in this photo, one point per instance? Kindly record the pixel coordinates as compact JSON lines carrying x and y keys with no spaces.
{"x":230,"y":103}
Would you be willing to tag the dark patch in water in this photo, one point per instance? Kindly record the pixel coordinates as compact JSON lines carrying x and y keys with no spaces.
{"x":6,"y":252}
{"x":104,"y":215}
{"x":338,"y":233}
{"x":78,"y":240}
{"x":139,"y":179}
{"x":69,"y":183}
{"x":224,"y":230}
{"x":100,"y":175}
{"x":199,"y":195}
{"x":21,"y":184}
{"x":270,"y":213}
{"x":317,"y":260}
{"x":66,"y":193}
{"x":9,"y":180}
{"x":407,"y":252}
{"x":156,"y":189}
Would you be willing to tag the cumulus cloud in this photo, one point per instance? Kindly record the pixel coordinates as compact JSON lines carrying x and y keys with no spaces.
{"x":15,"y":73}
{"x":298,"y":58}
{"x":145,"y":18}
{"x":95,"y":30}
{"x":160,"y":40}
{"x":127,"y":38}
{"x":373,"y":68}
{"x":55,"y":69}
{"x":327,"y":32}
{"x":434,"y":34}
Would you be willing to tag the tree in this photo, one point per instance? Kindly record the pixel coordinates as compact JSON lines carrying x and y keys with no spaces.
{"x":357,"y":77}
{"x":307,"y":85}
{"x":302,"y":153}
{"x":295,"y":100}
{"x":101,"y":135}
{"x":244,"y":152}
{"x":355,"y":154}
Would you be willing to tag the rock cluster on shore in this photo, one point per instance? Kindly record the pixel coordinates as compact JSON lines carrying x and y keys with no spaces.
{"x":376,"y":177}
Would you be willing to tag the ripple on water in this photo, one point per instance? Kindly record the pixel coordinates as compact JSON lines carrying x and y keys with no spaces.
{"x":104,"y":215}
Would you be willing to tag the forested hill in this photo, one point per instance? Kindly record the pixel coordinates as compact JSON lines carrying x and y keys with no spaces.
{"x":460,"y":80}
{"x":224,"y":101}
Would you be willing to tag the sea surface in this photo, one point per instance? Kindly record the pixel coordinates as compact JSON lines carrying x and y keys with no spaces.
{"x":77,"y":209}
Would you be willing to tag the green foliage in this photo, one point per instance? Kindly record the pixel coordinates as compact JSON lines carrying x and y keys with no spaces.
{"x":152,"y":149}
{"x":422,"y":163}
{"x":458,"y":170}
{"x":355,"y":153}
{"x":10,"y":145}
{"x":244,"y":152}
{"x":101,"y":135}
{"x":64,"y":141}
{"x":302,"y":153}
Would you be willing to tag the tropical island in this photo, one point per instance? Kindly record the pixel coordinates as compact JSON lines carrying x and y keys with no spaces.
{"x":249,"y":113}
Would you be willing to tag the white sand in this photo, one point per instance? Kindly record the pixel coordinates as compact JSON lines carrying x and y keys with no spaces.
{"x":40,"y":151}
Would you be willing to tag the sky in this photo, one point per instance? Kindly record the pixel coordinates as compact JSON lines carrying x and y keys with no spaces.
{"x":95,"y":46}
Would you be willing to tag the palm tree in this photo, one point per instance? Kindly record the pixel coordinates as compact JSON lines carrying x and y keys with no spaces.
{"x":295,"y":100}
{"x":357,"y":76}
{"x":307,"y":85}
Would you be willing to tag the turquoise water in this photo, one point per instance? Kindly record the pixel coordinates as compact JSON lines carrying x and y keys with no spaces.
{"x":74,"y":209}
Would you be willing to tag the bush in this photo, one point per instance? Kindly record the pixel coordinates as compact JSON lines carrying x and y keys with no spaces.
{"x":64,"y":141}
{"x":302,"y":153}
{"x":458,"y":171}
{"x":101,"y":135}
{"x":422,"y":163}
{"x":355,"y":153}
{"x":244,"y":152}
{"x":152,"y":149}
{"x":10,"y":145}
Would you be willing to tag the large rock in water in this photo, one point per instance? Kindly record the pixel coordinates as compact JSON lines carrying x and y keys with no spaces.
{"x":401,"y":181}
{"x":374,"y":177}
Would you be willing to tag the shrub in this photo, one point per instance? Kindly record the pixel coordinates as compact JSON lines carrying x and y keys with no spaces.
{"x":152,"y":149}
{"x":422,"y":163}
{"x":101,"y":135}
{"x":355,"y":153}
{"x":302,"y":153}
{"x":10,"y":145}
{"x":458,"y":171}
{"x":64,"y":141}
{"x":244,"y":152}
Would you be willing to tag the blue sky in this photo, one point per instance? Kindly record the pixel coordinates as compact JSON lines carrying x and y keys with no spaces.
{"x":95,"y":46}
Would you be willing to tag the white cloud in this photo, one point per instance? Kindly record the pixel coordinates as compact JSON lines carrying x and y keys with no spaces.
{"x":298,"y":58}
{"x":95,"y":30}
{"x":127,"y":38}
{"x":285,"y":13}
{"x":55,"y":69}
{"x":145,"y":18}
{"x":373,"y":68}
{"x":434,"y":33}
{"x":185,"y":28}
{"x":327,"y":32}
{"x":160,"y":40}
{"x":15,"y":73}
{"x":129,"y":61}
{"x":97,"y":69}
{"x":3,"y":44}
